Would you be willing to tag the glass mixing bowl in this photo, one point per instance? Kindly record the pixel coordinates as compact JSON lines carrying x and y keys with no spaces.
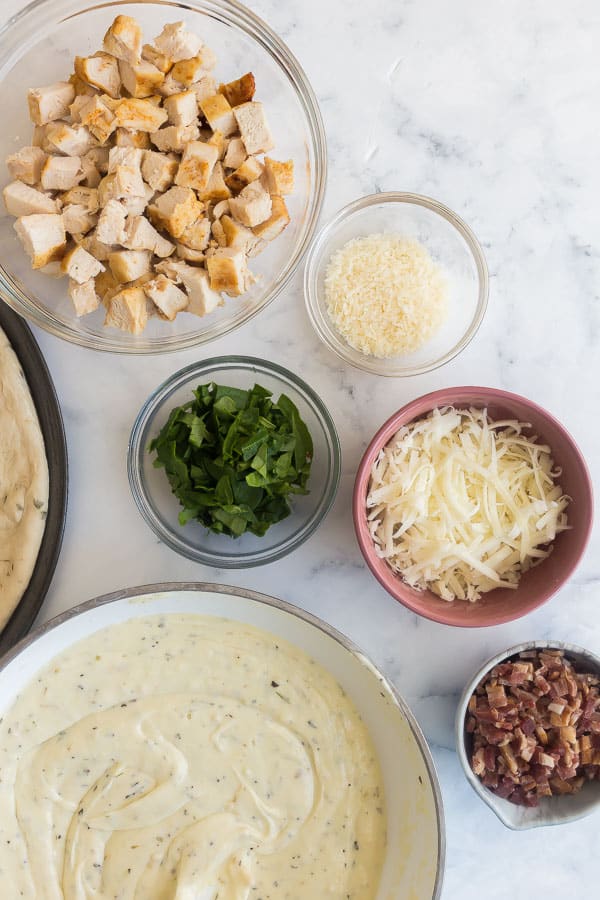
{"x":160,"y":509}
{"x":37,"y":47}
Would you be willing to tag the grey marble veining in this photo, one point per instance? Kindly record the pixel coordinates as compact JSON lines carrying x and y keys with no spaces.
{"x":492,"y":109}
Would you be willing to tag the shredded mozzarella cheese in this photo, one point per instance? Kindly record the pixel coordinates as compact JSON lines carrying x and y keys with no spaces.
{"x":385,"y":295}
{"x":460,"y":505}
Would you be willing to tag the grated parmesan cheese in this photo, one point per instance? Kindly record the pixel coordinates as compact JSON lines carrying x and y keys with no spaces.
{"x":385,"y":295}
{"x":461,"y":505}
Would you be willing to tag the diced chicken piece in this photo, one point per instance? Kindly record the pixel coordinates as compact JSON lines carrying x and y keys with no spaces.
{"x":238,"y":237}
{"x":80,"y":265}
{"x":49,"y":103}
{"x":99,"y":249}
{"x":141,"y":235}
{"x":167,"y":296}
{"x":84,"y":296}
{"x":159,"y":170}
{"x":72,"y":140}
{"x":111,"y":224}
{"x":175,"y":210}
{"x":142,"y":79}
{"x":204,"y":88}
{"x":162,"y":62}
{"x":124,"y":39}
{"x":182,"y":108}
{"x":188,"y":71}
{"x":174,"y":137}
{"x":228,"y":271}
{"x":202,"y":299}
{"x":219,"y":114}
{"x":78,"y":219}
{"x":127,"y":310}
{"x":43,"y":237}
{"x":189,"y":254}
{"x":140,"y":115}
{"x":81,"y":196}
{"x":125,"y":156}
{"x":220,"y":209}
{"x":252,"y":206}
{"x":197,"y":235}
{"x":177,"y":43}
{"x":127,"y":265}
{"x":280,"y":176}
{"x":101,"y":71}
{"x":216,"y":189}
{"x":249,"y":171}
{"x":236,"y":154}
{"x":26,"y":164}
{"x":23,"y":200}
{"x":98,"y":117}
{"x":99,"y":157}
{"x":277,"y":221}
{"x":60,"y":173}
{"x":253,"y":127}
{"x":124,"y":182}
{"x":239,"y":91}
{"x":125,"y":137}
{"x":196,"y":165}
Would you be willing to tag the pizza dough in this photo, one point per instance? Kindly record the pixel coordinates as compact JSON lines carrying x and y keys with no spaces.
{"x":23,"y":482}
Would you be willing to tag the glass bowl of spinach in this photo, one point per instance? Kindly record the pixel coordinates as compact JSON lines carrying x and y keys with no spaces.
{"x":234,"y":462}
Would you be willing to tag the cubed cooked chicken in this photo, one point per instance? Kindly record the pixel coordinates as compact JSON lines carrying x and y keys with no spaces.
{"x":26,"y":164}
{"x":252,"y":205}
{"x":100,"y":71}
{"x":80,"y":265}
{"x":253,"y":127}
{"x":84,"y":297}
{"x":49,"y":103}
{"x":123,"y":39}
{"x":196,"y":165}
{"x":43,"y":237}
{"x":165,"y":294}
{"x":144,"y":180}
{"x":23,"y":200}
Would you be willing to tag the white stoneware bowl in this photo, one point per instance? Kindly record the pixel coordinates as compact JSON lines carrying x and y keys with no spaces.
{"x":415,"y":857}
{"x":552,"y":810}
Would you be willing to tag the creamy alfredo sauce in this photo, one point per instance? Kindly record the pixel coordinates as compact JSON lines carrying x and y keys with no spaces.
{"x":23,"y":482}
{"x":187,"y":757}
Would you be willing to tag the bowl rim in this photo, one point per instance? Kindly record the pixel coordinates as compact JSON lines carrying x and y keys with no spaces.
{"x":235,"y":14}
{"x":133,"y":593}
{"x":415,"y":409}
{"x":327,"y":334}
{"x":135,"y":449}
{"x":459,"y":731}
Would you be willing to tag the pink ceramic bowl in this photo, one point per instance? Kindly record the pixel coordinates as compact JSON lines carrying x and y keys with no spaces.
{"x":539,"y":583}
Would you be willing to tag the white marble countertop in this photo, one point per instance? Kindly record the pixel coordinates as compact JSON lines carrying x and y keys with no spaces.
{"x":492,"y":109}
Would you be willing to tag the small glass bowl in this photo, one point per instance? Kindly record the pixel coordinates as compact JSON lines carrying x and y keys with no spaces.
{"x":556,"y":810}
{"x":451,"y":244}
{"x":160,"y":509}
